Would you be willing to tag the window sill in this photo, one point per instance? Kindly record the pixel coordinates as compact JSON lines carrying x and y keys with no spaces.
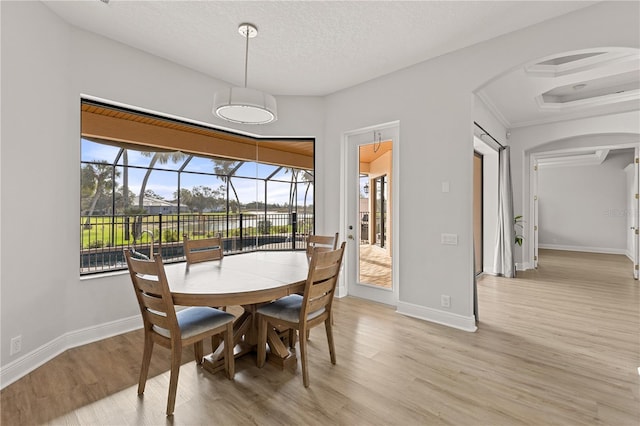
{"x":103,"y":275}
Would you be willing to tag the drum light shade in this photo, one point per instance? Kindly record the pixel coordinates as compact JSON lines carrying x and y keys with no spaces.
{"x":241,"y":104}
{"x":245,"y":106}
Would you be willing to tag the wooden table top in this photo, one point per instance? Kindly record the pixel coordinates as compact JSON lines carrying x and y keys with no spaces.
{"x":240,"y":279}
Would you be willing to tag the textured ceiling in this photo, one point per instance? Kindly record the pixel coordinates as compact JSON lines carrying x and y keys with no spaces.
{"x":304,"y":47}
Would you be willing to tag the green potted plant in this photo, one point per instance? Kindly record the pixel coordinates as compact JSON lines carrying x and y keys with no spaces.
{"x":518,"y":227}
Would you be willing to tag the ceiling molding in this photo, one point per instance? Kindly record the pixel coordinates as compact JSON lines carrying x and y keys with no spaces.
{"x":601,"y":57}
{"x":568,"y":117}
{"x":593,"y":158}
{"x":567,"y":86}
{"x":493,"y":109}
{"x":614,"y":98}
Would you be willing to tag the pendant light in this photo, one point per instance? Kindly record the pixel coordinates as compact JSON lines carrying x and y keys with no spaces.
{"x":241,"y":104}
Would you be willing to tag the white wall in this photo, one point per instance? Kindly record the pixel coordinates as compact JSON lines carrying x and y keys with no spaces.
{"x":35,"y":155}
{"x":46,"y":65}
{"x":434,"y":105}
{"x":581,"y":208}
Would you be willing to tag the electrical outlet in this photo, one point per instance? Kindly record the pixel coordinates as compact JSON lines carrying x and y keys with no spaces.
{"x":16,"y":345}
{"x":445,"y":301}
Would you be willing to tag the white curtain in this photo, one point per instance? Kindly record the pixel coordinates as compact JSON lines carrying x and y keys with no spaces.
{"x":504,"y":264}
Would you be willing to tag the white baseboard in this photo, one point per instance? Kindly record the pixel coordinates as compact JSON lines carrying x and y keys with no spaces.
{"x":27,"y":363}
{"x":489,"y":270}
{"x":341,"y":292}
{"x":629,"y":255}
{"x":439,"y":317}
{"x":523,"y":266}
{"x":604,"y":250}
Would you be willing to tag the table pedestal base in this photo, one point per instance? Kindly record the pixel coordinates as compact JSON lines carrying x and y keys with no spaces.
{"x":214,"y":362}
{"x":245,"y":342}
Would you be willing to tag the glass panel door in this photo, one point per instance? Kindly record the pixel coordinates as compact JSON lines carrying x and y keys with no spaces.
{"x":381,"y":210}
{"x":371,"y":206}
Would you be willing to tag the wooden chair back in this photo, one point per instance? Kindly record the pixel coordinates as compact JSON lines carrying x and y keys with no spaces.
{"x":321,"y":281}
{"x":322,"y":242}
{"x":152,"y":291}
{"x":161,"y":323}
{"x":203,"y":250}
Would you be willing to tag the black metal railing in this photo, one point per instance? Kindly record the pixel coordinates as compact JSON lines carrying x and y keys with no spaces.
{"x":104,"y":237}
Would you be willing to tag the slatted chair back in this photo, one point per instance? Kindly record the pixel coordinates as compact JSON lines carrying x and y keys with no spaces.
{"x":162,"y":325}
{"x":152,"y":291}
{"x":301,"y":313}
{"x":203,"y":250}
{"x":321,"y":242}
{"x":319,"y":290}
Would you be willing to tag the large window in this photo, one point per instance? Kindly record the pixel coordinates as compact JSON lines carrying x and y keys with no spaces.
{"x":146,"y":181}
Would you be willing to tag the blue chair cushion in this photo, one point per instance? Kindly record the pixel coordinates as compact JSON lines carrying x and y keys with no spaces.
{"x":287,"y":308}
{"x":196,"y":320}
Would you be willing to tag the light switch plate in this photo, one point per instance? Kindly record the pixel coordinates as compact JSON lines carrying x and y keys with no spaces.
{"x":449,"y":239}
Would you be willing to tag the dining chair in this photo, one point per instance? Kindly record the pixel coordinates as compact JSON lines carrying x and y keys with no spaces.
{"x":322,"y":242}
{"x":171,"y":329}
{"x":304,"y":312}
{"x":203,"y":250}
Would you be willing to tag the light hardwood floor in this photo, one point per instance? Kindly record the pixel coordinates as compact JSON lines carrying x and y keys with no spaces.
{"x":559,"y":345}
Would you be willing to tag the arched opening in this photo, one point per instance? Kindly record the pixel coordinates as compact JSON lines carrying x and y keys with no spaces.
{"x":564,"y":105}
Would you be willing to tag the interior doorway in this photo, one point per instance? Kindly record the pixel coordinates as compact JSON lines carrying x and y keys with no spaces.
{"x":587,"y":188}
{"x":478,"y":227}
{"x":485,"y":203}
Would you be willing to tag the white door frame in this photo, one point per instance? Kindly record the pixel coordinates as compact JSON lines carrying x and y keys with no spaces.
{"x":533,"y":203}
{"x":635,"y":212}
{"x":348,"y":174}
{"x":533,"y":229}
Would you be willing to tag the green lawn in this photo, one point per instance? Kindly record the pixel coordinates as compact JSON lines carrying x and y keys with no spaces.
{"x":102,"y":233}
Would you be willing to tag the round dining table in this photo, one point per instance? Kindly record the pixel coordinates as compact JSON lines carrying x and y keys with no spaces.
{"x":247,"y":280}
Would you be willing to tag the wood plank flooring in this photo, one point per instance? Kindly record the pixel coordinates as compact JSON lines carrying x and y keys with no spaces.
{"x":556,"y":346}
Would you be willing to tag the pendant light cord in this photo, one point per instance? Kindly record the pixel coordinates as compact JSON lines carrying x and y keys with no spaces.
{"x":246,"y":56}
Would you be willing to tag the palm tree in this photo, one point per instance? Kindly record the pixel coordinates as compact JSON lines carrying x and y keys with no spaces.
{"x":125,"y":179}
{"x":156,"y":157}
{"x":224,"y":169}
{"x":99,"y":177}
{"x":293,"y":188}
{"x":309,"y":179}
